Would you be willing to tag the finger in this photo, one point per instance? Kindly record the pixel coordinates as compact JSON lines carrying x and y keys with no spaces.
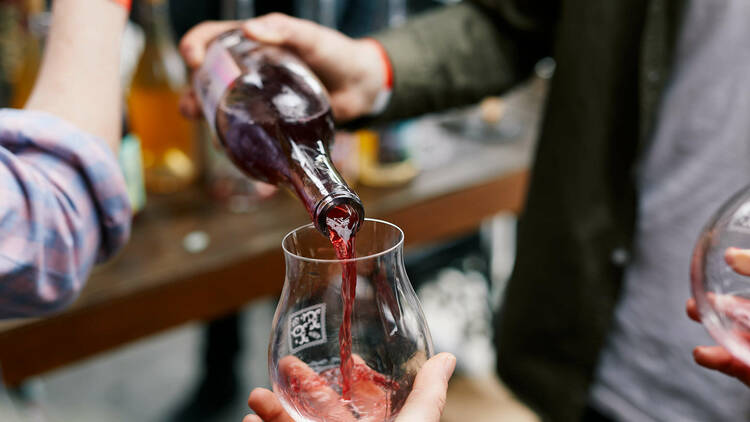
{"x":265,"y":190}
{"x":738,"y":259}
{"x":267,"y":407}
{"x":193,"y":45}
{"x":427,"y":398}
{"x":303,"y":36}
{"x":736,"y":308}
{"x":278,"y":29}
{"x":189,"y":106}
{"x":692,"y":310}
{"x":252,"y":418}
{"x":712,"y":357}
{"x":719,"y":359}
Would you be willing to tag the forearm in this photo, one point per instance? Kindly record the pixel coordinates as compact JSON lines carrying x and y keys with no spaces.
{"x":459,"y":54}
{"x":79,"y":78}
{"x":64,"y":207}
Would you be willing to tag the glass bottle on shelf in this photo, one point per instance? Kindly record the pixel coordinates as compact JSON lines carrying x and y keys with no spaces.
{"x":273,"y":119}
{"x":130,"y":155}
{"x":170,"y":156}
{"x":131,"y":166}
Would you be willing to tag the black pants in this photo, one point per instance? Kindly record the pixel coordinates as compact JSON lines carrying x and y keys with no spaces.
{"x":221,"y":347}
{"x":593,"y":415}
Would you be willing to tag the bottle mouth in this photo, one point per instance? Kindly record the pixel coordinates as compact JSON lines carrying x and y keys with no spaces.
{"x":335,"y":201}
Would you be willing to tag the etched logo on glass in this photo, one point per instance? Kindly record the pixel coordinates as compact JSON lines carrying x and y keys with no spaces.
{"x":307,"y":327}
{"x":741,"y":219}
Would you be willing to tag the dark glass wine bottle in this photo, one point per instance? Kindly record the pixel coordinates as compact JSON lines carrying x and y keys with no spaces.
{"x":273,"y":119}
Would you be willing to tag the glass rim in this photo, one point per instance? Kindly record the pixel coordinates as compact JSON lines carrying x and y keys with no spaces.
{"x":397,"y":245}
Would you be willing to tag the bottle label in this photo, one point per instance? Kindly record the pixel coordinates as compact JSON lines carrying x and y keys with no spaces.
{"x":213,"y":78}
{"x":307,"y":327}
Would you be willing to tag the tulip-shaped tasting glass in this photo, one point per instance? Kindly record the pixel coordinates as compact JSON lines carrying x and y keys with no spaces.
{"x":389,"y":336}
{"x":723,"y":294}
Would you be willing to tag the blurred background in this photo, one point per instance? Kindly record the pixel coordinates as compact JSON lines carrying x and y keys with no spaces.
{"x":207,"y":237}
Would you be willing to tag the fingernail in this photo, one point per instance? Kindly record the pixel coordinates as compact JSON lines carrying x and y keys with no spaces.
{"x":449,"y":364}
{"x":190,"y":55}
{"x":729,"y":256}
{"x":700,"y":352}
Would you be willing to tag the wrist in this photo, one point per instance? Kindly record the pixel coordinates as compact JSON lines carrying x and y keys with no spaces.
{"x":380,"y":81}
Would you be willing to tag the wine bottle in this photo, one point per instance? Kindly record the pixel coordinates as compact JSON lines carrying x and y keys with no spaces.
{"x":272,"y":117}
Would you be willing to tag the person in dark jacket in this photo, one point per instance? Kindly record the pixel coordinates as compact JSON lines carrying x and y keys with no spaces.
{"x":645,"y":132}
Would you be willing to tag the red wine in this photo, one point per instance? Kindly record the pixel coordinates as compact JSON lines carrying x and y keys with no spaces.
{"x":273,"y":119}
{"x":310,"y":392}
{"x":341,"y":223}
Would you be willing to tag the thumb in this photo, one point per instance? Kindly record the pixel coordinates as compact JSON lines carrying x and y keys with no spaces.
{"x":427,"y":398}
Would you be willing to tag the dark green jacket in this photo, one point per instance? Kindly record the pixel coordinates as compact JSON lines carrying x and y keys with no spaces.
{"x":613,"y":57}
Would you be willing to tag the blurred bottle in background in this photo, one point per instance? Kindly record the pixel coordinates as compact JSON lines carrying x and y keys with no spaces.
{"x":35,"y":22}
{"x":132,"y":166}
{"x":385,"y":156}
{"x":237,"y":9}
{"x":377,"y":156}
{"x":130,"y":156}
{"x":170,"y":157}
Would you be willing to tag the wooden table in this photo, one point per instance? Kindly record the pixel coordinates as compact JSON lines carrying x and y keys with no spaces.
{"x":156,"y":284}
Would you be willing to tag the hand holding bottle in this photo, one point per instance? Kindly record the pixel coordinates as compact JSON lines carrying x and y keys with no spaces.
{"x":353,"y":71}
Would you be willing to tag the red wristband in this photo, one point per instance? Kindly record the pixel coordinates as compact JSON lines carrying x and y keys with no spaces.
{"x":384,"y":96}
{"x":387,"y":66}
{"x":124,"y":3}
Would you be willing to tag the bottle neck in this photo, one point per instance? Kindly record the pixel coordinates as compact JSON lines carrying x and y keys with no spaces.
{"x":320,"y":186}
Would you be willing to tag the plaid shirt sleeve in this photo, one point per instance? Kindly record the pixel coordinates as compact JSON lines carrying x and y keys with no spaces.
{"x":63,"y":207}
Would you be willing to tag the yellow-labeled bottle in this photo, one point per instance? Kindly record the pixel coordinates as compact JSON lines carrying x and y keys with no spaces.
{"x":167,"y":139}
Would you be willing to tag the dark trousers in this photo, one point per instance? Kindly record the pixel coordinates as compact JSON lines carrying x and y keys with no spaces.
{"x":221,"y":348}
{"x":593,"y":415}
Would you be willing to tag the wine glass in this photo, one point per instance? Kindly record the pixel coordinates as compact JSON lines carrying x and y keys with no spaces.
{"x":390,"y":339}
{"x":723,"y":295}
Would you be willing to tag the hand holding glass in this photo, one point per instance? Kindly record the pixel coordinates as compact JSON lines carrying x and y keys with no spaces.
{"x":390,"y":340}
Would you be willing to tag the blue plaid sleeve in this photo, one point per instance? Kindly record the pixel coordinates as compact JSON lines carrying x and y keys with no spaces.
{"x":63,"y":207}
